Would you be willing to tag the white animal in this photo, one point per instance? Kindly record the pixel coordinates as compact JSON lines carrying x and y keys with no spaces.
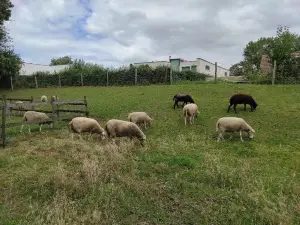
{"x":190,"y":111}
{"x":120,"y":128}
{"x":19,"y":105}
{"x":140,"y":117}
{"x":80,"y":125}
{"x":233,"y":124}
{"x":54,"y":98}
{"x":36,"y":117}
{"x":44,"y":98}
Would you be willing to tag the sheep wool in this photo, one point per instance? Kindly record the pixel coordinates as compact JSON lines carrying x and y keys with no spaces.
{"x":120,"y":128}
{"x":44,"y":98}
{"x":36,"y":117}
{"x":140,"y":117}
{"x":190,"y":111}
{"x":233,"y":124}
{"x":83,"y":124}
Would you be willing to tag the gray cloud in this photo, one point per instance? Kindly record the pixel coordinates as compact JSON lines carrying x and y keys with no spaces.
{"x":125,"y":31}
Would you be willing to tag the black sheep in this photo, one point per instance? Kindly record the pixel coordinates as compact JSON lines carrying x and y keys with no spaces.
{"x":242,"y":99}
{"x":185,"y":98}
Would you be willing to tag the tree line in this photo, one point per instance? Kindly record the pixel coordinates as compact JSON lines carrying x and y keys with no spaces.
{"x":279,"y":48}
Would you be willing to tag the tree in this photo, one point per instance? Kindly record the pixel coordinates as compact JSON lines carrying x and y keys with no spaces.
{"x":10,"y":63}
{"x":255,"y":49}
{"x":237,"y":69}
{"x":61,"y":61}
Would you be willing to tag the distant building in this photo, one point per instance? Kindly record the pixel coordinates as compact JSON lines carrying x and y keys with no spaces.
{"x":31,"y":68}
{"x":199,"y":65}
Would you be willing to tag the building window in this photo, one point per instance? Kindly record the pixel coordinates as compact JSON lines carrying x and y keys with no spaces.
{"x":207,"y":67}
{"x":226,"y":74}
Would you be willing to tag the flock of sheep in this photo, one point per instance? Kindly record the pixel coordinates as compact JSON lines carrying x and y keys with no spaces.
{"x":121,"y":128}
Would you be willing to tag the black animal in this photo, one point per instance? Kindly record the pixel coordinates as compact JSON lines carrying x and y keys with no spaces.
{"x":185,"y":98}
{"x":242,"y":99}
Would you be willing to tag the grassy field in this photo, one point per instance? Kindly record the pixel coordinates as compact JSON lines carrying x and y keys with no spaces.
{"x":182,"y":175}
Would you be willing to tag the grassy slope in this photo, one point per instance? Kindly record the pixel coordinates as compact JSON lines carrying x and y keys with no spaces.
{"x":183,"y":176}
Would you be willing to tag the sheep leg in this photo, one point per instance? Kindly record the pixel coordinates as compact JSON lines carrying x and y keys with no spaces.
{"x":40,"y":127}
{"x":241,"y":136}
{"x":220,"y":136}
{"x":191,"y":118}
{"x":245,"y":107}
{"x":175,"y":103}
{"x":229,"y":107}
{"x":234,"y":107}
{"x":185,"y":121}
{"x":21,"y":130}
{"x":145,"y":125}
{"x":29,"y":128}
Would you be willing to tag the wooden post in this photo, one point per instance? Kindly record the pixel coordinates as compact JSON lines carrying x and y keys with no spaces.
{"x":53,"y":111}
{"x":274,"y":73}
{"x":32,"y":106}
{"x":171,"y":76}
{"x":11,"y":83}
{"x":86,"y":111}
{"x":59,"y":81}
{"x":107,"y":78}
{"x":135,"y":76}
{"x":36,"y":83}
{"x":81,"y":79}
{"x":216,"y":70}
{"x":3,"y":120}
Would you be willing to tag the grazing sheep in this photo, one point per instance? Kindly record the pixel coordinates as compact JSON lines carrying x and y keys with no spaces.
{"x":233,"y":124}
{"x":19,"y":106}
{"x":44,"y":98}
{"x":190,"y":111}
{"x":54,"y":98}
{"x":120,"y":128}
{"x":36,"y":117}
{"x":140,"y":117}
{"x":80,"y":125}
{"x":242,"y":99}
{"x":185,"y":98}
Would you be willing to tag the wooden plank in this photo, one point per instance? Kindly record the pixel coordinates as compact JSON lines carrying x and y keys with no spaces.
{"x":72,"y":110}
{"x":17,"y":99}
{"x":25,"y":110}
{"x":29,"y":104}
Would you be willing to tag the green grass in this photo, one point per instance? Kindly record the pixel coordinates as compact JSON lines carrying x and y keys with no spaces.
{"x":182,"y":175}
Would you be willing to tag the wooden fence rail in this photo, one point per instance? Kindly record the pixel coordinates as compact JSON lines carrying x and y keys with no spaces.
{"x":29,"y":105}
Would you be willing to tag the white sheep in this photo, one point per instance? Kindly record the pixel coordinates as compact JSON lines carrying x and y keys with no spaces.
{"x":190,"y":111}
{"x":54,"y":98}
{"x":36,"y":117}
{"x":140,"y":117}
{"x":120,"y":128}
{"x":233,"y":124}
{"x":19,"y":105}
{"x":80,"y":125}
{"x":44,"y":98}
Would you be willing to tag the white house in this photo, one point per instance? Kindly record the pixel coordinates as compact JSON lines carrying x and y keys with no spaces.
{"x":199,"y":65}
{"x":30,"y":68}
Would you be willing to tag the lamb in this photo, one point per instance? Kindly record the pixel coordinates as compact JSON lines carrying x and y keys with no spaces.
{"x":44,"y":98}
{"x":140,"y":117}
{"x":242,"y":99}
{"x":185,"y":98}
{"x":233,"y":124}
{"x":80,"y":125}
{"x":190,"y":111}
{"x":36,"y":117}
{"x":54,"y":98}
{"x":120,"y":128}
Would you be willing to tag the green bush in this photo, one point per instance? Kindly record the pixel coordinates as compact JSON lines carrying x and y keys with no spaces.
{"x":95,"y":75}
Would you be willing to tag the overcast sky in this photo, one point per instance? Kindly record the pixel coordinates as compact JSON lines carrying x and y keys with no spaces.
{"x":116,"y":32}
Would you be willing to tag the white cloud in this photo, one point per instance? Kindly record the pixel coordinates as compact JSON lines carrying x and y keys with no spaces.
{"x":125,"y":31}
